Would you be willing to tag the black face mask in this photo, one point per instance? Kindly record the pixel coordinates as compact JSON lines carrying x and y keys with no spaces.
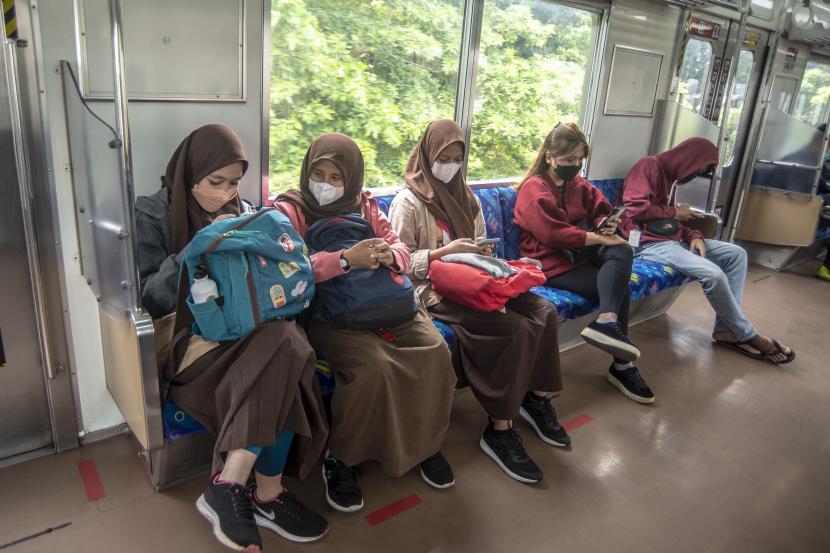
{"x":567,"y":172}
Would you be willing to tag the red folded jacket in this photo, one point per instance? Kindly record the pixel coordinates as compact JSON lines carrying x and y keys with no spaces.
{"x":477,"y":289}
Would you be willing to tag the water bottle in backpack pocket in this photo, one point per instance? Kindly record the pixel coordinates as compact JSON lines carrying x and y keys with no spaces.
{"x":362,"y":299}
{"x":261,"y":271}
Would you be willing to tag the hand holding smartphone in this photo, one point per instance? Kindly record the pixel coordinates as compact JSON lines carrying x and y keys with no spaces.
{"x":488,"y":241}
{"x":614,"y":216}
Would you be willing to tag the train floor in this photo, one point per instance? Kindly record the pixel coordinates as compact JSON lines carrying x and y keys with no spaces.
{"x":734,"y":456}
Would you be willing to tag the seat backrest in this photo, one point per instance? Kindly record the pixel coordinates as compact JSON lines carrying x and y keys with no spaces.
{"x":497,"y":205}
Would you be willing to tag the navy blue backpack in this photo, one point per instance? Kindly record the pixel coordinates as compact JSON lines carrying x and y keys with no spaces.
{"x":362,"y":299}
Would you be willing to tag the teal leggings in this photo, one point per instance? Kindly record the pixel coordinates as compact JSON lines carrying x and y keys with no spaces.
{"x":271,"y":459}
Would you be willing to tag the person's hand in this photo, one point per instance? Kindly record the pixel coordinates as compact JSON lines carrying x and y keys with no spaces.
{"x":363,"y":255}
{"x":613,"y":240}
{"x":461,"y":245}
{"x":383,"y":253}
{"x":685,"y":213}
{"x":610,"y":226}
{"x":486,"y":250}
{"x":698,"y":246}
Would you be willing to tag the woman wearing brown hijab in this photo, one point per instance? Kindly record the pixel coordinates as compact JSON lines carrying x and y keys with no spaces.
{"x":257,"y":394}
{"x":394,"y":388}
{"x":510,"y":359}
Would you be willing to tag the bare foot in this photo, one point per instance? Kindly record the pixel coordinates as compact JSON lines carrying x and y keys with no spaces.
{"x":729,"y":337}
{"x":767,"y":347}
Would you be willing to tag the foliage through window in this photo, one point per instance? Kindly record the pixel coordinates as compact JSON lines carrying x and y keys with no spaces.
{"x":380,"y":70}
{"x":694,"y":74}
{"x":377,"y":70}
{"x":533,"y":70}
{"x":813,"y":97}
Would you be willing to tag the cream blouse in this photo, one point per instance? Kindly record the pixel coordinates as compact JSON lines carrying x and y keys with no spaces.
{"x":416,"y":227}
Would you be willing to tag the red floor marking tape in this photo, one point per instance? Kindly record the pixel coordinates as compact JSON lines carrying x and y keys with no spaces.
{"x":393,"y":509}
{"x":576,"y":422}
{"x":92,"y":482}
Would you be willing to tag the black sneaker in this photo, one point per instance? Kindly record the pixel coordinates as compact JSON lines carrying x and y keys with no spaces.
{"x":630,"y":382}
{"x":610,"y":337}
{"x":289,"y":518}
{"x":342,"y":490}
{"x":229,"y":509}
{"x":506,"y":449}
{"x":436,"y":472}
{"x":539,"y":414}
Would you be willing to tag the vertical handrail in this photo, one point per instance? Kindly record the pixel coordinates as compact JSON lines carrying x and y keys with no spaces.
{"x":21,"y":153}
{"x":468,"y":68}
{"x":125,"y":159}
{"x":733,"y":69}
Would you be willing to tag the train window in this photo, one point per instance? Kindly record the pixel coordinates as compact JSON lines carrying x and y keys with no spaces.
{"x":378,"y":71}
{"x":694,"y":73}
{"x":533,"y":70}
{"x":746,"y":59}
{"x":812,"y":102}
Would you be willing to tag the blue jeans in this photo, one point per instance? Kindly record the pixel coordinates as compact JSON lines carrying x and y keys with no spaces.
{"x":721,"y":274}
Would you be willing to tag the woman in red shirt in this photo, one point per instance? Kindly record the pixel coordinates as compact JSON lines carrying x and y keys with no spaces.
{"x":558,"y":214}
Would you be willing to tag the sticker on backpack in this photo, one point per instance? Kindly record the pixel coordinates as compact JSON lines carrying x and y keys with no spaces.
{"x":288,"y":269}
{"x":299,"y":288}
{"x":262,"y":261}
{"x":286,"y":242}
{"x":277,"y":293}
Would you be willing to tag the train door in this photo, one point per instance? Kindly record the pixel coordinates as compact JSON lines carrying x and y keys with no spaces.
{"x":745,"y":86}
{"x":702,"y":82}
{"x":25,"y":422}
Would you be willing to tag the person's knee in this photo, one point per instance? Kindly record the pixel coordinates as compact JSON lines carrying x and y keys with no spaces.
{"x":713,"y":279}
{"x":621,"y":252}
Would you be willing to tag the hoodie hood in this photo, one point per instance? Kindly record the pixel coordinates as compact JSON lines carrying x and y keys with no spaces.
{"x":691,"y":156}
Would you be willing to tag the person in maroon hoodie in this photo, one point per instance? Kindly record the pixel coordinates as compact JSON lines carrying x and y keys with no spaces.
{"x":558,"y":214}
{"x":720,"y":267}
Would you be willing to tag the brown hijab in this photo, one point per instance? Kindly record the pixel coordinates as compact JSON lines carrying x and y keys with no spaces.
{"x":453,"y":203}
{"x":204,"y":150}
{"x":345,"y":154}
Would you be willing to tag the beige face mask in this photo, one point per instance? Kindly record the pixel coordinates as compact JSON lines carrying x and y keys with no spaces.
{"x":212,"y":198}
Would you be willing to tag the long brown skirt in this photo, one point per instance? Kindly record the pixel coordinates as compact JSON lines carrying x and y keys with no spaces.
{"x":501,"y":356}
{"x":248,"y":391}
{"x":391,"y":400}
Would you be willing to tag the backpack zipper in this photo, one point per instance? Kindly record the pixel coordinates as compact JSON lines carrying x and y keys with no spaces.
{"x":248,"y":220}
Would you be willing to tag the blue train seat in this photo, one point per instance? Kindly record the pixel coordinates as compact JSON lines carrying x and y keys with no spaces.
{"x":647,"y":279}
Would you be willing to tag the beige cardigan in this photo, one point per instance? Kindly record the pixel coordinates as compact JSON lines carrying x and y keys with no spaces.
{"x":415,"y":226}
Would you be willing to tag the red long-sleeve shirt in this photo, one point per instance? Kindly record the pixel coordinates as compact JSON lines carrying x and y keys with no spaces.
{"x":648,"y":185}
{"x":548,"y":221}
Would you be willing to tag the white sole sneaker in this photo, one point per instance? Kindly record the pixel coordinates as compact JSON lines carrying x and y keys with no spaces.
{"x":213,"y":518}
{"x":492,"y":454}
{"x":433,"y":484}
{"x":619,"y":385}
{"x":618,"y":349}
{"x":334,"y":505}
{"x":529,"y":420}
{"x":274,"y":527}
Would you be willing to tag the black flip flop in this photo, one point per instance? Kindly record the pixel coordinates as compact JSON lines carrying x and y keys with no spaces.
{"x":778,"y":349}
{"x":737,"y":347}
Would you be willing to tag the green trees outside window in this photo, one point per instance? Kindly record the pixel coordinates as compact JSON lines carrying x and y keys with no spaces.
{"x":380,"y":70}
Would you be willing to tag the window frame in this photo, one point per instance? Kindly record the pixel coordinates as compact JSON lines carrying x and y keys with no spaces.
{"x":466,"y":85}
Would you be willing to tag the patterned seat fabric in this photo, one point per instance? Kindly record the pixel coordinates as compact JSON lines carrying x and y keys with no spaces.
{"x":823,"y":229}
{"x":497,"y":204}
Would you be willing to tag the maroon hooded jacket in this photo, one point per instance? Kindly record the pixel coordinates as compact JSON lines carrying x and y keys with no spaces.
{"x":648,"y":185}
{"x":548,"y":225}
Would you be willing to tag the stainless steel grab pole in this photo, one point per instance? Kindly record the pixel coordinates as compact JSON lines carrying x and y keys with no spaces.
{"x":122,"y":128}
{"x":27,"y":204}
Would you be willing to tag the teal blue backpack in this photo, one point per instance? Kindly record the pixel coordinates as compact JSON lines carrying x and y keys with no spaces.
{"x":261,"y":268}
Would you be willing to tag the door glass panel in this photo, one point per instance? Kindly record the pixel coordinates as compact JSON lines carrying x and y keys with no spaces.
{"x":694,"y":73}
{"x":746,"y":59}
{"x":812,"y":102}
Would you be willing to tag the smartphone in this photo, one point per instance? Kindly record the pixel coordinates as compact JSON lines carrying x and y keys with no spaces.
{"x":488,"y":241}
{"x":619,"y":210}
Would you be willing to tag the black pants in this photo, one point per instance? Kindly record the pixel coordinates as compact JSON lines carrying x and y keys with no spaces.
{"x":603,"y":279}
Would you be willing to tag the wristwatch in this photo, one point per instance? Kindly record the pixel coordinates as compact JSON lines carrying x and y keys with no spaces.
{"x":343,"y":263}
